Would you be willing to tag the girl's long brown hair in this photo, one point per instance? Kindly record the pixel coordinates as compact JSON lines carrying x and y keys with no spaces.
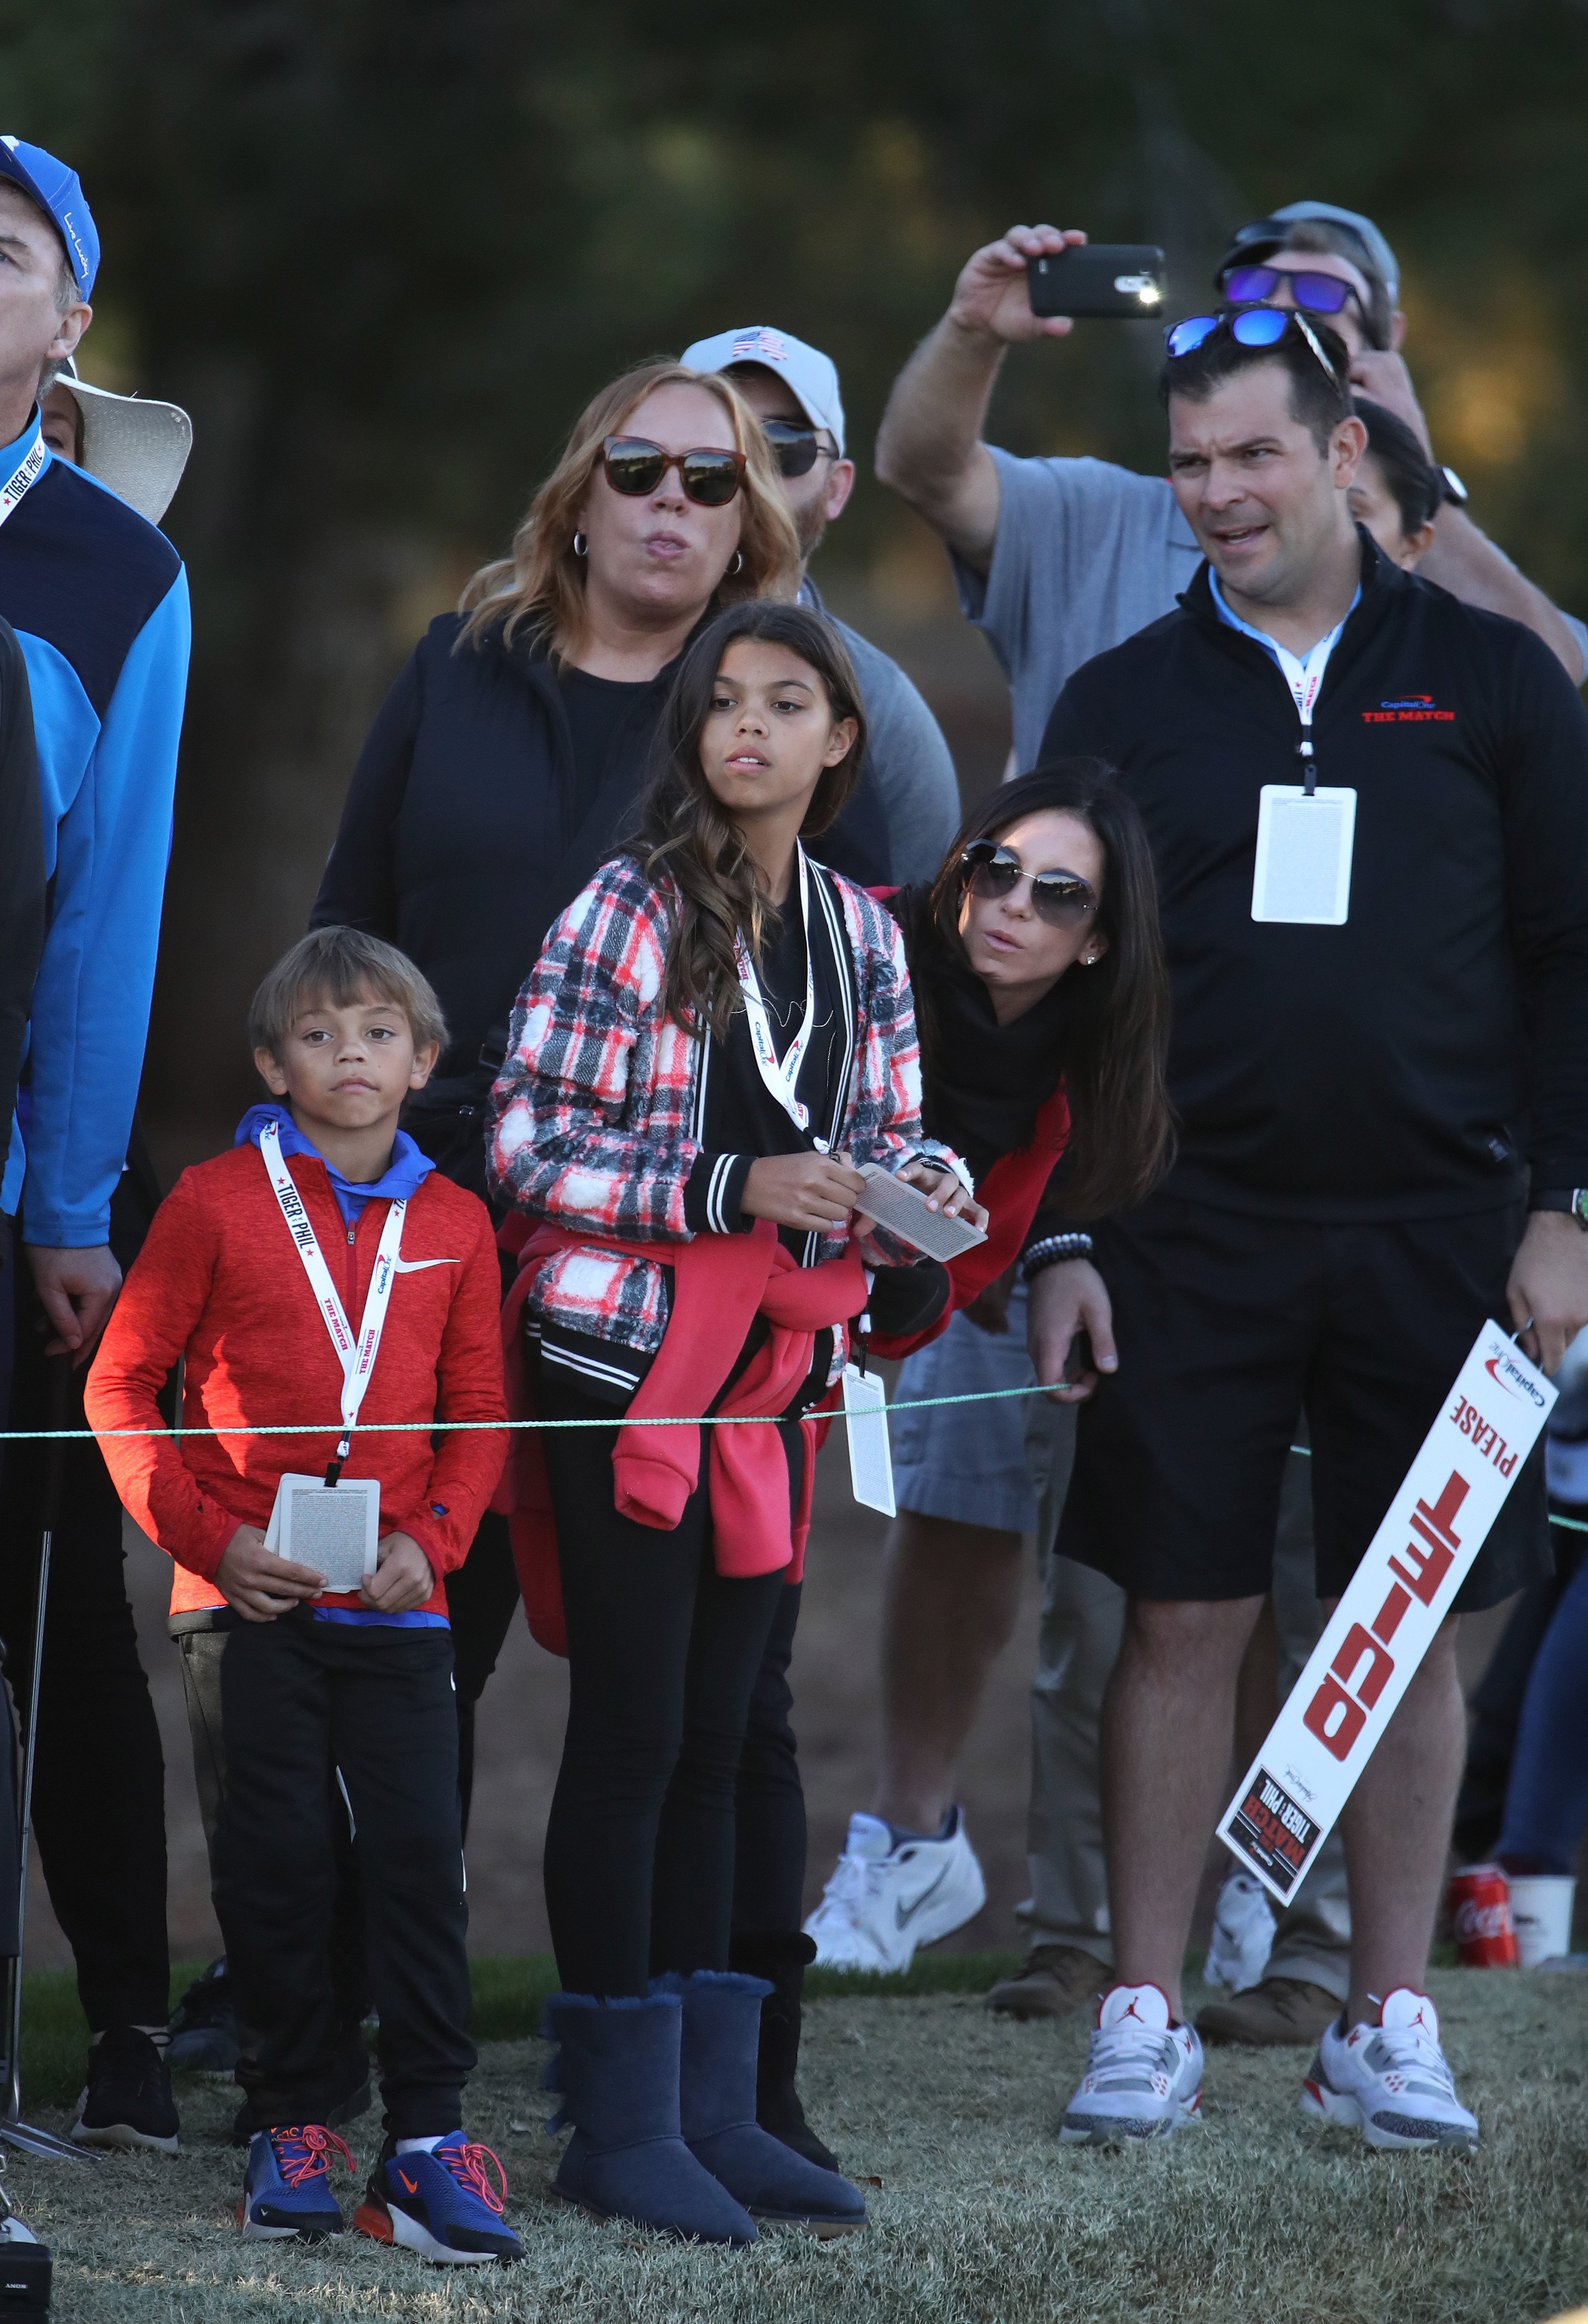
{"x":542,"y":583}
{"x":1115,"y":1026}
{"x":687,"y":838}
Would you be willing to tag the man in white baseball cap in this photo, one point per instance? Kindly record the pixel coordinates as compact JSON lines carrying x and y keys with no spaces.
{"x":792,"y":390}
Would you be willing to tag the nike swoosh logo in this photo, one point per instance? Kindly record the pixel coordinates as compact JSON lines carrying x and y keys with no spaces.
{"x":417,"y":1266}
{"x":412,"y":2184}
{"x":905,"y":1914}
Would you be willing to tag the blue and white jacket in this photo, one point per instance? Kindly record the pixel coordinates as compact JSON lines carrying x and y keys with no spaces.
{"x":98,"y":600}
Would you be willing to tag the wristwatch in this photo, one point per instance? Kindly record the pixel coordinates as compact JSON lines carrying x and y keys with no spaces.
{"x":1573,"y":1201}
{"x":1455,"y":491}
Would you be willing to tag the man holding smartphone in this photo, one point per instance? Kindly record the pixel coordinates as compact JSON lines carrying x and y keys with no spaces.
{"x":1057,"y":560}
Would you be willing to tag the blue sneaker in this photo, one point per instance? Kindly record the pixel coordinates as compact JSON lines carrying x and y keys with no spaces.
{"x":286,"y":2190}
{"x":440,"y":2204}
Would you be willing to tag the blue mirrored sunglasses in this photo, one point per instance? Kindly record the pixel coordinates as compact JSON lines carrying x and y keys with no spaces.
{"x":1251,"y":326}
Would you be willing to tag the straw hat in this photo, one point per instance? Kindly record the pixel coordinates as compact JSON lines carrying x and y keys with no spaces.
{"x":137,"y":446}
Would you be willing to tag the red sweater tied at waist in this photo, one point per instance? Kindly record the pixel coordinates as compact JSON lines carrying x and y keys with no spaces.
{"x":720,"y":1284}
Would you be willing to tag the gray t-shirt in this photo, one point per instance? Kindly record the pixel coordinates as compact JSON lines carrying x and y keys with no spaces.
{"x":908,"y":757}
{"x":1085,"y":555}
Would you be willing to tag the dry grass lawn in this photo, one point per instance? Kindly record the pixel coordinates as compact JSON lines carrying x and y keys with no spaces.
{"x":979,"y":2216}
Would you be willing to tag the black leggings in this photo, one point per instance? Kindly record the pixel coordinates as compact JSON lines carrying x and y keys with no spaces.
{"x":769,"y":1878}
{"x":663,"y":1653}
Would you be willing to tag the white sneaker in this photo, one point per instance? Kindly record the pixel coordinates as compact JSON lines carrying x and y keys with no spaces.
{"x":1242,"y":1933}
{"x":1391,"y":2080}
{"x":1143,"y":2077}
{"x":884,"y":1899}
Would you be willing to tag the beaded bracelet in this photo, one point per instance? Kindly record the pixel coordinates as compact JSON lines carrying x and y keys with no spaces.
{"x":1052,"y":1251}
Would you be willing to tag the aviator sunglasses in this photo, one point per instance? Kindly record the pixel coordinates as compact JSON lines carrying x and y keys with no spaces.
{"x":1062,"y":898}
{"x":1320,"y":294}
{"x":635,"y":466}
{"x":1251,"y":326}
{"x":794,"y":447}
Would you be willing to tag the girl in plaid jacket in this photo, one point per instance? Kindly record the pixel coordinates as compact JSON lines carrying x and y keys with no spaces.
{"x":717,"y":1035}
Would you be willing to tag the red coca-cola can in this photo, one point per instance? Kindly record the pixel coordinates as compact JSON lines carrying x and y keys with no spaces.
{"x":1480,"y":1911}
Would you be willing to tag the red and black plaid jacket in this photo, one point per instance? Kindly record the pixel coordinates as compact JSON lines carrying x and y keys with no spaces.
{"x":596,"y":1116}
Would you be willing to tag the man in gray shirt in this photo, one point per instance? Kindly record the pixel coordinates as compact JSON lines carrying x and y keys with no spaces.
{"x":792,"y":390}
{"x":1058,"y":560}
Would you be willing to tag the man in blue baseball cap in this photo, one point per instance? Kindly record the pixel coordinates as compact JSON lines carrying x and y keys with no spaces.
{"x":57,"y":191}
{"x":98,"y":600}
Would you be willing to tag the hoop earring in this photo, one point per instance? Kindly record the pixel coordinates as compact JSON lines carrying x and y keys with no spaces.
{"x":738,"y":564}
{"x":580,"y":544}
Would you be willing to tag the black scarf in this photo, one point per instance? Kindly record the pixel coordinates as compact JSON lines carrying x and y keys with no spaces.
{"x":982,"y":1084}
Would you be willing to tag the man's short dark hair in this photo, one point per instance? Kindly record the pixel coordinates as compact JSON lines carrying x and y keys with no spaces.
{"x":1318,"y":400}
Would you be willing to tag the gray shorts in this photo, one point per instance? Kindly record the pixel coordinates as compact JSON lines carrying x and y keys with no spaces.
{"x":967,"y":1462}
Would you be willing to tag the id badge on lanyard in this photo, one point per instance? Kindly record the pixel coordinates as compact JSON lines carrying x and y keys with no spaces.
{"x":355,"y":1356}
{"x":1306,"y":836}
{"x":781,"y":1074}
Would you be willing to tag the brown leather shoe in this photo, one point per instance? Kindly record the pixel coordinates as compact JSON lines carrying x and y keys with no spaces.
{"x":1281,"y":2012}
{"x":1056,"y":1979}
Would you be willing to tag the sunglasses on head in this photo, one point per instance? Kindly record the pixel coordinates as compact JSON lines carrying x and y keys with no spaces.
{"x":1320,"y":294}
{"x":1252,"y":326}
{"x":636,"y":466}
{"x":1062,"y":898}
{"x":794,"y":447}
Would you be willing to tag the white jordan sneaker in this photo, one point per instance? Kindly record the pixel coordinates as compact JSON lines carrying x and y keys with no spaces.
{"x":1143,"y":2077}
{"x":887,"y":1895}
{"x":1391,"y":2080}
{"x":1242,"y":1933}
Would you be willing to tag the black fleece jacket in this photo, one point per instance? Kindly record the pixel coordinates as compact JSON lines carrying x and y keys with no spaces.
{"x":21,"y":871}
{"x":468,"y":828}
{"x":1410,"y":1064}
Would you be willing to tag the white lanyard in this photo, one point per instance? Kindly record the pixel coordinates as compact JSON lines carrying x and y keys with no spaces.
{"x":356,"y":1357}
{"x":24,"y":477}
{"x":781,"y":1074}
{"x":1305,"y":673}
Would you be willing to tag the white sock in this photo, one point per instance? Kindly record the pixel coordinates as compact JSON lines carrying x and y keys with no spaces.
{"x":422,"y":2145}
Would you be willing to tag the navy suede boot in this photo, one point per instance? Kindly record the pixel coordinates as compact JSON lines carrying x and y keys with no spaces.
{"x":717,"y":2105}
{"x":618,"y":2070}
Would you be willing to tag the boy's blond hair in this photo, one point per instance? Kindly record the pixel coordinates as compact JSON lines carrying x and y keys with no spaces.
{"x":342,"y":966}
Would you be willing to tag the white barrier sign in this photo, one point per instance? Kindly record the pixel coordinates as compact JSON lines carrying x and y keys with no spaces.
{"x":1382,"y":1627}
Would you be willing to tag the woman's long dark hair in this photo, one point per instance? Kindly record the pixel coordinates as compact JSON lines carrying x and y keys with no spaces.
{"x":1115,"y":1026}
{"x":684,"y":833}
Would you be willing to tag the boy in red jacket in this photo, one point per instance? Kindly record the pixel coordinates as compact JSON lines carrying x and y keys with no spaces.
{"x":321,"y":1273}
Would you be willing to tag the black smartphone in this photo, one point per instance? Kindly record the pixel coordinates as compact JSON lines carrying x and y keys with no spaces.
{"x":1122,"y":281}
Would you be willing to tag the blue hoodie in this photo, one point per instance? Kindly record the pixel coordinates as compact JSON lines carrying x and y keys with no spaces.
{"x":403,"y":1175}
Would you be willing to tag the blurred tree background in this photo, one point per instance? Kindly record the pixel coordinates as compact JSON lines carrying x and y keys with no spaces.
{"x":382,"y":250}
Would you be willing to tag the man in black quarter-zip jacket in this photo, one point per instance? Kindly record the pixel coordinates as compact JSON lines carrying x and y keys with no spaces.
{"x":1380,"y":1061}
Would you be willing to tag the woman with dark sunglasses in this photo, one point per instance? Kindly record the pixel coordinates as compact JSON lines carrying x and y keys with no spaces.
{"x":1042,"y":998}
{"x":509,"y":757}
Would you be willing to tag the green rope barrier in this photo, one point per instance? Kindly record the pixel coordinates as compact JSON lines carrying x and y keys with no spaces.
{"x":679,"y":1420}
